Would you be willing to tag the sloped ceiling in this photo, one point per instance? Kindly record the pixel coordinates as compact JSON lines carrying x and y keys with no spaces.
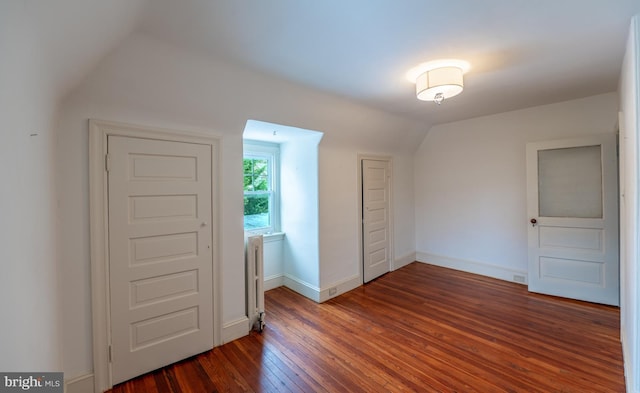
{"x":523,"y":53}
{"x":74,"y":35}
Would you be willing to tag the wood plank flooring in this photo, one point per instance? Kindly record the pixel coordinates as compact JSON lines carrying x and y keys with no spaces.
{"x":419,"y":329}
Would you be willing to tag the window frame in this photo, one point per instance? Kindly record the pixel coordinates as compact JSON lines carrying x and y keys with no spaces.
{"x":270,"y":152}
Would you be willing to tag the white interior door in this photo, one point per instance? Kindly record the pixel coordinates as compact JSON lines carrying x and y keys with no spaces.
{"x":573,"y":212}
{"x":375,"y":218}
{"x":160,"y":257}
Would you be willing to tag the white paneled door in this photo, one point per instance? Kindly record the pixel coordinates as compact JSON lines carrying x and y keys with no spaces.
{"x":375,"y":218}
{"x":160,"y":257}
{"x":573,"y":218}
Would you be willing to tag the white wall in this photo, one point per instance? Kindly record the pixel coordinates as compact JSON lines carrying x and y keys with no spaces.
{"x":470,"y":182}
{"x":629,"y":130}
{"x":340,"y":218}
{"x":404,"y":247}
{"x":299,"y":212}
{"x":29,"y":301}
{"x":147,"y":82}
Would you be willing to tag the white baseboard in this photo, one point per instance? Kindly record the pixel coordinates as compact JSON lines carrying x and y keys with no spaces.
{"x":81,"y":384}
{"x":340,"y":287}
{"x":481,"y":268}
{"x":274,"y":281}
{"x":403,"y":261}
{"x":235,"y":329}
{"x":321,"y":295}
{"x":304,"y":288}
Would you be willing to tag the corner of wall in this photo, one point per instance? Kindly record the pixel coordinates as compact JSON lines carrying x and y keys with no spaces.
{"x":403,"y":260}
{"x":81,"y":384}
{"x":304,"y":288}
{"x":340,"y":287}
{"x":235,"y":329}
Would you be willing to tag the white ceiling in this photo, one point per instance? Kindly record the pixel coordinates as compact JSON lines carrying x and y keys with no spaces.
{"x":522,"y":52}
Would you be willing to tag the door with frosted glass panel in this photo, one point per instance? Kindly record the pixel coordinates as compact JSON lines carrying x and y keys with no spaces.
{"x":572,"y":203}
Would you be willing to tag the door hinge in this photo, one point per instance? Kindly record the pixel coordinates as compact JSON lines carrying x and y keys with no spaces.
{"x":107,"y":162}
{"x":110,"y":356}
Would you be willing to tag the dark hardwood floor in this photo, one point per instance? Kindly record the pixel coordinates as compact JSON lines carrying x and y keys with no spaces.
{"x":418,"y":329}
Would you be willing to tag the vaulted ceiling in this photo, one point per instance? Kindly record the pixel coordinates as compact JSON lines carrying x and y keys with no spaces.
{"x":522,"y":52}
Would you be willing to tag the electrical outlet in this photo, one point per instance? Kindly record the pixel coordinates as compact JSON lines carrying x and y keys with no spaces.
{"x":333,"y":291}
{"x":518,"y":278}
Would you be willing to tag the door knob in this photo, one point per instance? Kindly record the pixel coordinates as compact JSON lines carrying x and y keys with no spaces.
{"x":533,"y":222}
{"x":204,"y":224}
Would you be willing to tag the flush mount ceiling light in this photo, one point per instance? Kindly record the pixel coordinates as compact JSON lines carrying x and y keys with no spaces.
{"x":439,"y":79}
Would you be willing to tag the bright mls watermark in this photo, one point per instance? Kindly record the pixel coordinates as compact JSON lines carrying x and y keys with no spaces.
{"x":34,"y":382}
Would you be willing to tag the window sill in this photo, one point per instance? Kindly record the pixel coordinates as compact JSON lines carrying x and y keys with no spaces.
{"x":268,"y":237}
{"x":273,"y":237}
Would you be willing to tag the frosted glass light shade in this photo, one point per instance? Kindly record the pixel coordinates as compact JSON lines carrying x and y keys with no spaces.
{"x":445,"y":80}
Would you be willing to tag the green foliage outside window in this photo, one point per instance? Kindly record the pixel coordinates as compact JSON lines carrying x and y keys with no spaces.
{"x":256,"y":205}
{"x":256,"y":179}
{"x":256,"y":174}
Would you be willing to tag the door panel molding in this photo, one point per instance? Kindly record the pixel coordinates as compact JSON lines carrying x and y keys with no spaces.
{"x":99,"y":131}
{"x":391,"y":252}
{"x":576,"y":256}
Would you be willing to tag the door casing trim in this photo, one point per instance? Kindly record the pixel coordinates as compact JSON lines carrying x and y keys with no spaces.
{"x":99,"y":131}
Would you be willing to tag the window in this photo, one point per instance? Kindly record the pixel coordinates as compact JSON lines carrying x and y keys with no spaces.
{"x":260,"y":179}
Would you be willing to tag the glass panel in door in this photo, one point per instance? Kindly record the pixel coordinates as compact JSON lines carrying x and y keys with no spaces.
{"x":570,"y":182}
